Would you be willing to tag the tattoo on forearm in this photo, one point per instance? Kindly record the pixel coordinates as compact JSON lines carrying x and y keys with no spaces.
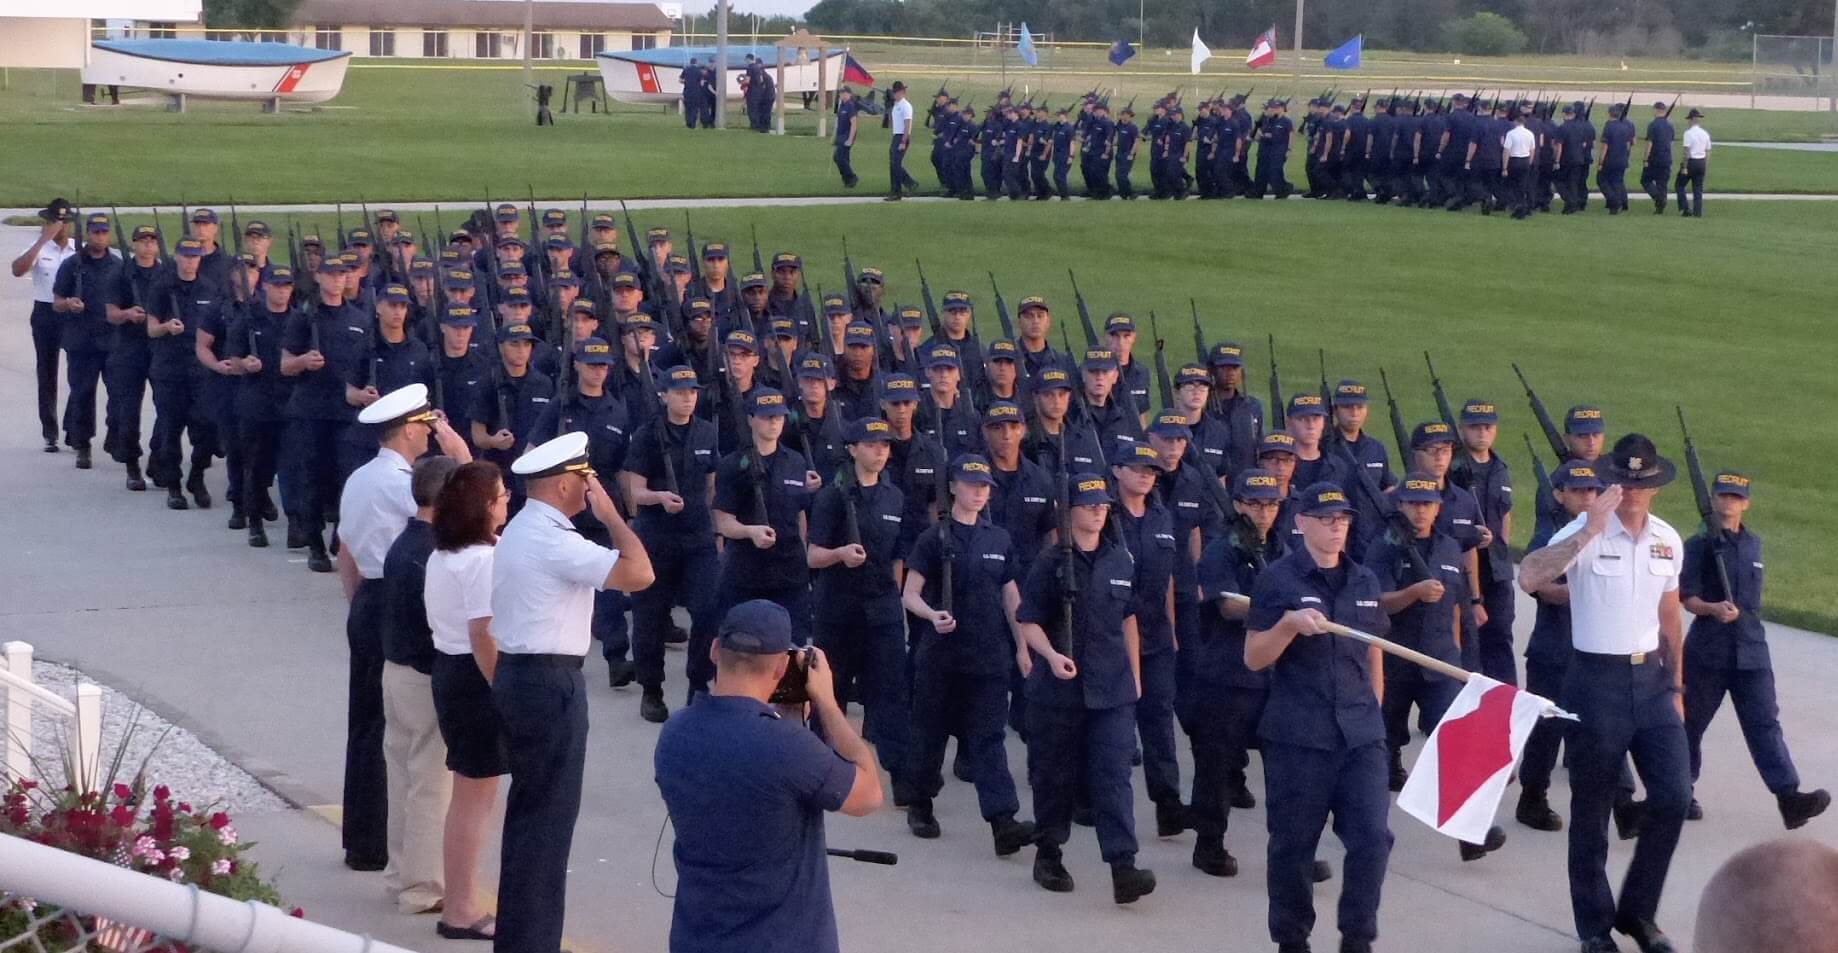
{"x":1544,"y":565}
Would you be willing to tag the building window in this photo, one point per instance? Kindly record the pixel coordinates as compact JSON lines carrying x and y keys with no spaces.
{"x":542,"y":46}
{"x":273,"y":36}
{"x":382,"y":42}
{"x":328,"y":38}
{"x":434,"y":43}
{"x":162,"y":31}
{"x":488,"y":45}
{"x":592,"y":45}
{"x":644,"y":41}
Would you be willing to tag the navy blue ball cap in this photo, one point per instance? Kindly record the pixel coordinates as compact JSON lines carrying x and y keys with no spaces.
{"x":1192,"y":374}
{"x":1119,"y":322}
{"x":1325,"y":499}
{"x":1052,"y":378}
{"x":1730,"y":483}
{"x":757,"y":627}
{"x":1172,"y":425}
{"x":972,"y":468}
{"x":1003,"y":412}
{"x":1254,"y":483}
{"x":1226,"y":354}
{"x":394,"y":293}
{"x":1307,"y":405}
{"x":515,"y":332}
{"x":1584,"y":419}
{"x":868,"y":430}
{"x":1349,"y":393}
{"x":682,"y":377}
{"x":1276,"y":441}
{"x":1479,"y":412}
{"x":741,"y":341}
{"x":767,"y":402}
{"x":1418,"y":487}
{"x":1431,"y":432}
{"x":898,"y":387}
{"x":460,"y":315}
{"x":594,"y":351}
{"x":1128,"y":453}
{"x":815,"y":367}
{"x":278,"y":275}
{"x":1002,"y":349}
{"x":858,"y":334}
{"x":1577,"y":475}
{"x":1099,"y":359}
{"x":1088,"y":489}
{"x":941,"y":355}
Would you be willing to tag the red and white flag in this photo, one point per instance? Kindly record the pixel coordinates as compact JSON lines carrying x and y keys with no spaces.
{"x":1263,"y":52}
{"x":1459,"y":778}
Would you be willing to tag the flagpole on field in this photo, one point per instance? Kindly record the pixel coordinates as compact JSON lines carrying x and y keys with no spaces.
{"x":1297,"y":77}
{"x":1406,"y":653}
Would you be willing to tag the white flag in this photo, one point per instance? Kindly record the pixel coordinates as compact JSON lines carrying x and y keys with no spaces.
{"x":1200,"y":53}
{"x":1461,"y":774}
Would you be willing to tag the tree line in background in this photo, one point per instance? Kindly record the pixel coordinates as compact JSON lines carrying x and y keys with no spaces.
{"x":1705,"y":28}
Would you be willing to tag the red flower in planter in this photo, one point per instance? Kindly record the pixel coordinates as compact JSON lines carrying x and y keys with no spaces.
{"x":123,"y":792}
{"x":219,"y":821}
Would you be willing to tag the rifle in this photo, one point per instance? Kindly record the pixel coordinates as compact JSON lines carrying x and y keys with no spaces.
{"x":849,"y":285}
{"x":1327,"y":393}
{"x":1008,"y":331}
{"x":1163,"y":385}
{"x":340,"y":207}
{"x":947,"y":546}
{"x":1543,"y":476}
{"x":1091,"y":334}
{"x":1199,"y":336}
{"x":1551,"y":433}
{"x":1442,"y":399}
{"x":1399,"y":432}
{"x":1700,"y":490}
{"x":1276,"y":391}
{"x":160,"y":234}
{"x":184,"y":218}
{"x":1387,"y":510}
{"x":1669,"y":109}
{"x":756,"y":469}
{"x":759,"y":265}
{"x":695,"y":258}
{"x":1068,"y":570}
{"x":931,"y":308}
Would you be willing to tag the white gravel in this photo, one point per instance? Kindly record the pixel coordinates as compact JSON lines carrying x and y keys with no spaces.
{"x":170,"y":755}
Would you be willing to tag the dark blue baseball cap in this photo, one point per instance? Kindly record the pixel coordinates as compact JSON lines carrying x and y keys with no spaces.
{"x":815,"y":367}
{"x":460,"y":315}
{"x":1477,"y":411}
{"x":741,"y":341}
{"x":858,"y":334}
{"x":1119,"y":322}
{"x":1172,"y":425}
{"x":393,"y":293}
{"x":1276,"y":441}
{"x":515,"y":332}
{"x":972,"y":468}
{"x":682,"y":377}
{"x":1325,"y":498}
{"x":1584,"y":419}
{"x":1088,"y":489}
{"x":594,"y":351}
{"x":1577,"y":475}
{"x":757,"y":627}
{"x":941,"y":355}
{"x":1099,"y":359}
{"x":1226,"y":354}
{"x":1307,"y":405}
{"x":1052,"y":378}
{"x":1349,"y":393}
{"x":1003,"y":412}
{"x":1418,"y":487}
{"x":1002,"y":349}
{"x":278,"y":275}
{"x":767,"y":402}
{"x":898,"y":387}
{"x":1129,"y":453}
{"x":193,"y":248}
{"x":1730,"y":483}
{"x":866,"y":429}
{"x":1253,"y":483}
{"x":1192,"y":374}
{"x":1429,"y":433}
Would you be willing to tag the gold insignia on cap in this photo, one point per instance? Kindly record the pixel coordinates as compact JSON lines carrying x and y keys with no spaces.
{"x":1260,"y":481}
{"x":1332,"y":496}
{"x":770,"y":400}
{"x":970,"y":466}
{"x":1087,"y":486}
{"x":1422,"y":485}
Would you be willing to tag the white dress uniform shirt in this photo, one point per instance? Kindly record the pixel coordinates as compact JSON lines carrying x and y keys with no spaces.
{"x":378,"y":501}
{"x":1616,"y":584}
{"x":1697,"y":143}
{"x":1520,"y":143}
{"x":902,"y":117}
{"x":44,"y":268}
{"x":543,"y":578}
{"x":457,"y":590}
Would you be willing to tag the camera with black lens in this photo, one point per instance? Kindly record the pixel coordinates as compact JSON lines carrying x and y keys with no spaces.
{"x":792,"y":689}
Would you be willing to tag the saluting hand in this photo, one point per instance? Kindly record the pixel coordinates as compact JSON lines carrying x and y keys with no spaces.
{"x":853,"y":555}
{"x":1596,"y":522}
{"x":1306,"y":621}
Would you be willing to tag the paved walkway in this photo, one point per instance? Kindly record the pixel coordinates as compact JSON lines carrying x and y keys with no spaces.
{"x":247,"y":649}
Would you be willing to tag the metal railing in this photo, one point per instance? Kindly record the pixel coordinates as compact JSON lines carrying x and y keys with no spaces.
{"x":81,"y":717}
{"x":53,"y":901}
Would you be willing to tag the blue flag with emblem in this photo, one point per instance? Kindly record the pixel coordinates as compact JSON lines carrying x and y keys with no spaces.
{"x":1120,"y":52}
{"x":1026,"y":46}
{"x":1345,"y":56}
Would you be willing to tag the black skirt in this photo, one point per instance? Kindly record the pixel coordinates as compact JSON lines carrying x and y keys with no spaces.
{"x":476,"y":746}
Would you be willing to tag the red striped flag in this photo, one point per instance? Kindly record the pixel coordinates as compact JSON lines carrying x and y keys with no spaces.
{"x":853,"y":72}
{"x":1263,"y":52}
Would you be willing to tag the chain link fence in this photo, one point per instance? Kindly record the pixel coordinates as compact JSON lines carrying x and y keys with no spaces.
{"x":1795,"y":67}
{"x":28,"y":926}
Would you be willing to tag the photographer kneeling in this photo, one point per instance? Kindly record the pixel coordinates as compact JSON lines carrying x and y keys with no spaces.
{"x":747,"y":790}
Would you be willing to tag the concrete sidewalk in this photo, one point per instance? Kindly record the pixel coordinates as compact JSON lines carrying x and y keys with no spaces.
{"x":246,"y":648}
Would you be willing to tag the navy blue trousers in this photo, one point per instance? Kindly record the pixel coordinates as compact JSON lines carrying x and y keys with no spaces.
{"x":973,"y":707}
{"x":1612,"y":180}
{"x":542,"y":703}
{"x":310,"y":452}
{"x":1161,"y":766}
{"x":46,"y":336}
{"x":841,"y":157}
{"x":1757,"y":711}
{"x":1124,"y":188}
{"x":83,"y":372}
{"x":897,"y":177}
{"x":1302,"y":787}
{"x":1272,"y":180}
{"x":682,"y":577}
{"x":366,"y":794}
{"x":1496,"y":634}
{"x":1408,"y":684}
{"x":868,"y":660}
{"x":125,"y":376}
{"x":698,"y":668}
{"x":179,"y":413}
{"x":1102,"y":741}
{"x":1654,"y":178}
{"x":1624,"y":709}
{"x":1221,"y":722}
{"x":1540,"y":755}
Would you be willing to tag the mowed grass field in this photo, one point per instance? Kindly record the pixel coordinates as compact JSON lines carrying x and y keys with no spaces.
{"x":401,"y":133}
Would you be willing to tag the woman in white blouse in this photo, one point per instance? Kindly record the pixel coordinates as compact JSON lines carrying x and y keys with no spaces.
{"x":467,"y":516}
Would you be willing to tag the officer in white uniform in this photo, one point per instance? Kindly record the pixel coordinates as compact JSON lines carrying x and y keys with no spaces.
{"x":544,"y":575}
{"x":41,"y":260}
{"x":376,"y":504}
{"x":1625,"y":683}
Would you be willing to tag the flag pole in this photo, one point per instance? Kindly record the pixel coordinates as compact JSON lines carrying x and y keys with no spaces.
{"x":1406,"y":653}
{"x":1296,"y":91}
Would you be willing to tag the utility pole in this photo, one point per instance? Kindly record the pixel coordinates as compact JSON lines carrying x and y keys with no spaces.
{"x":529,"y":35}
{"x":1296,"y":91}
{"x":721,"y":70}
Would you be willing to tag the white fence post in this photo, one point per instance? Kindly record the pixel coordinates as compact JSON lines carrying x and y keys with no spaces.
{"x":18,"y":712}
{"x":86,"y":735}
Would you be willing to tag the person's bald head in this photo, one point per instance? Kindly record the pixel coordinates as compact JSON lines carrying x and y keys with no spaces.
{"x":1775,"y":896}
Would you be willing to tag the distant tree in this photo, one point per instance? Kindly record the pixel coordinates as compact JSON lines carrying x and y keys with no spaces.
{"x":251,"y":14}
{"x":1482,"y":34}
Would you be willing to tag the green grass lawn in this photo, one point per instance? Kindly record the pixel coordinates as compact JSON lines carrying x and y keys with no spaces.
{"x":454,"y":134}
